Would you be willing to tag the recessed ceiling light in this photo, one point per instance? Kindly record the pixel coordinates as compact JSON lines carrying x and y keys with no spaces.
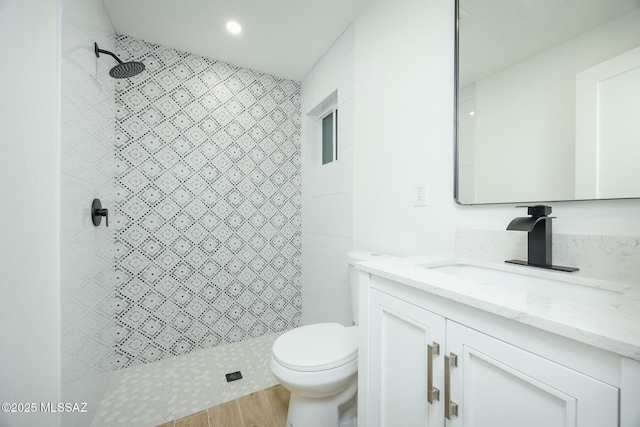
{"x":233,"y":27}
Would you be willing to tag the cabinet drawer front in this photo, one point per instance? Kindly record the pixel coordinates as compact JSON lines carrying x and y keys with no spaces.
{"x":499,"y":385}
{"x":400,"y":336}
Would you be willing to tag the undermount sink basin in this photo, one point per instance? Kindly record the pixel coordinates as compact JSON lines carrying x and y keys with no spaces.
{"x":529,"y":284}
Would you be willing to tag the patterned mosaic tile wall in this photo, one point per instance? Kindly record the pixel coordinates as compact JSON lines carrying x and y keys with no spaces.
{"x":208,"y":204}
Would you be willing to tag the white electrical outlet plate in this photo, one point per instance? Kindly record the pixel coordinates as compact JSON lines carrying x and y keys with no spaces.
{"x":419,"y":194}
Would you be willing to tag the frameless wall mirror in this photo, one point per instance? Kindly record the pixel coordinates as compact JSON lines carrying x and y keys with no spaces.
{"x":548,"y":100}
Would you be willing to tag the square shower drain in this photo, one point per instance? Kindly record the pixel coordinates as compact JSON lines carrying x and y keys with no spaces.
{"x":233,"y":376}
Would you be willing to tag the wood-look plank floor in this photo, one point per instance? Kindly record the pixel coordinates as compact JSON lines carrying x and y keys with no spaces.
{"x":264,"y":408}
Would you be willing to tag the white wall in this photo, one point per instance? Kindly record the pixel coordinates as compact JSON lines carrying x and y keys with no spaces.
{"x":29,"y":190}
{"x":404,"y":126}
{"x":327,"y":191}
{"x":404,"y":132}
{"x":87,"y":172}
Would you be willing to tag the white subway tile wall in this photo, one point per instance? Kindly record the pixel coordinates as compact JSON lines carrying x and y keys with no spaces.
{"x":207,"y":204}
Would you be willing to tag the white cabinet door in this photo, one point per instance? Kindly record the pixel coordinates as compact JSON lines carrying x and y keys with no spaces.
{"x":496,"y":384}
{"x":402,"y":337}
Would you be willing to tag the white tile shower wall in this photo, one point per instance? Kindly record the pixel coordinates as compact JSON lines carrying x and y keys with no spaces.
{"x":87,"y":165}
{"x":207,"y":204}
{"x":327,"y":192}
{"x":615,"y":258}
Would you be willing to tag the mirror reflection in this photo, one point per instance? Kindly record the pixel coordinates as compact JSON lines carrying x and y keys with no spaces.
{"x":548,"y":100}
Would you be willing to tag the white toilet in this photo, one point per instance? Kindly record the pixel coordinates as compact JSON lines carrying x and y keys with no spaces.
{"x":318,"y":364}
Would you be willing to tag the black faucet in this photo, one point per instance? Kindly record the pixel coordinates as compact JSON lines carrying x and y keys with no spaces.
{"x":538,"y":227}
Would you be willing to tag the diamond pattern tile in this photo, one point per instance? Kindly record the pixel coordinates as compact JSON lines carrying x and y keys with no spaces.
{"x":208,"y":204}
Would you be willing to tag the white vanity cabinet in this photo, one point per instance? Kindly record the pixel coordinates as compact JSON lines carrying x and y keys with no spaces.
{"x":496,"y":384}
{"x":406,"y":346}
{"x":494,"y":371}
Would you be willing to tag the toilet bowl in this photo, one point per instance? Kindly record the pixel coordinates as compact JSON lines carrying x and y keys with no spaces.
{"x":318,"y":364}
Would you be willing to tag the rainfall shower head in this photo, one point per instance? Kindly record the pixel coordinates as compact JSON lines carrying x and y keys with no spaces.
{"x":123,"y":70}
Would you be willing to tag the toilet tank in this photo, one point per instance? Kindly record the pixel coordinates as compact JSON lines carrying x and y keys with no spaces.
{"x":353,"y":258}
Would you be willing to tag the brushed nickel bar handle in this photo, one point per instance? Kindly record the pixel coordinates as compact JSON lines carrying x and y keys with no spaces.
{"x":433,"y":394}
{"x":450,"y":407}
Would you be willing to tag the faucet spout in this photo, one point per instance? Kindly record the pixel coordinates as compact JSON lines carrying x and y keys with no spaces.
{"x":525,"y":223}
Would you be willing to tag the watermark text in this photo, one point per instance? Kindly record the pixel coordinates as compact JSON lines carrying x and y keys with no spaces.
{"x":25,"y":407}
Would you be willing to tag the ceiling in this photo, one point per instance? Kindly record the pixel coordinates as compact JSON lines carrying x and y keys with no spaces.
{"x":284,"y":38}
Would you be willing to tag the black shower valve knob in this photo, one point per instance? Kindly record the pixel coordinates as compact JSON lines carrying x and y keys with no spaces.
{"x":97,"y":212}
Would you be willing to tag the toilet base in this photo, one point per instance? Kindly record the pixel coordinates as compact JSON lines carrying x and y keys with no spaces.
{"x":338,"y":410}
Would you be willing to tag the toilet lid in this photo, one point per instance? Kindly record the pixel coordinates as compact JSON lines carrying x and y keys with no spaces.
{"x":317,"y":347}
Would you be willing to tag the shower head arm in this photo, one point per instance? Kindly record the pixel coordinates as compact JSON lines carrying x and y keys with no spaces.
{"x":99,"y":51}
{"x":123,"y":70}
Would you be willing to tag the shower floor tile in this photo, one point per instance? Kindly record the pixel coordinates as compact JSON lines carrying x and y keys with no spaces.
{"x":153,"y":394}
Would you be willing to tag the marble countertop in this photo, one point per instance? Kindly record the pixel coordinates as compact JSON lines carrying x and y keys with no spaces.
{"x":595,"y":312}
